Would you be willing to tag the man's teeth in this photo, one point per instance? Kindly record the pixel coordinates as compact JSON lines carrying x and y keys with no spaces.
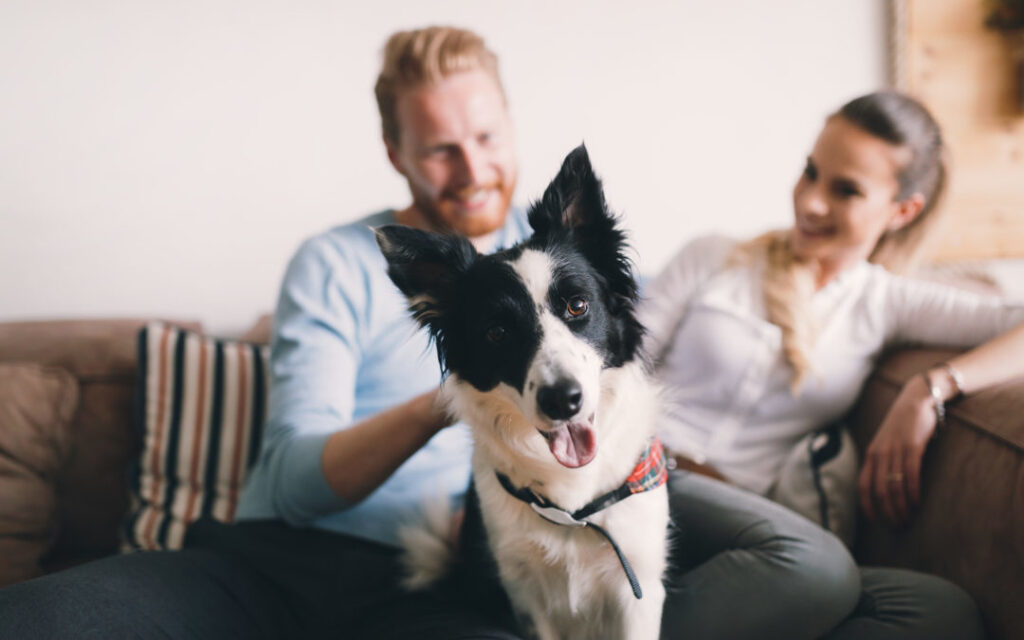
{"x":475,"y":197}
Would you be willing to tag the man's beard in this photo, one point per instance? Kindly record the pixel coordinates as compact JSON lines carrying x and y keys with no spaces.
{"x":442,"y":213}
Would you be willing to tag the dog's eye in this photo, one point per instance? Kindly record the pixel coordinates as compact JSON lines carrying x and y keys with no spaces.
{"x":577,"y":307}
{"x":496,"y":333}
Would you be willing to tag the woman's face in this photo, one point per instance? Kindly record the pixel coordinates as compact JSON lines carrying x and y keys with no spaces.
{"x":846,"y":197}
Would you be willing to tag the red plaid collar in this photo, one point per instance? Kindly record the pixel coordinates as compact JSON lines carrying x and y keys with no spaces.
{"x":649,"y":473}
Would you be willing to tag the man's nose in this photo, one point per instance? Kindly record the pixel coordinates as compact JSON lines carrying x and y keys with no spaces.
{"x":473,"y":163}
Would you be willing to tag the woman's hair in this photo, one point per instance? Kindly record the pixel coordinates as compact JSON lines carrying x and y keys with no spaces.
{"x":424,"y":57}
{"x":789,"y":283}
{"x":904,"y":122}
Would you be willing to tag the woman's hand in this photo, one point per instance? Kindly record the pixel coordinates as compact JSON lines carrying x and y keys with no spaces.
{"x":890,"y":479}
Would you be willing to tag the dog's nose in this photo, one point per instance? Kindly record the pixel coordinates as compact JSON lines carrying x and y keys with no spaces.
{"x":560,"y":401}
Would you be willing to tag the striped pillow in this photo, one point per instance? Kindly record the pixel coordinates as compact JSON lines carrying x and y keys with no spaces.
{"x":200,"y":404}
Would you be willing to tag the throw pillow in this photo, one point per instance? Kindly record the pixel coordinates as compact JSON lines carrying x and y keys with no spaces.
{"x":36,"y":407}
{"x":818,"y":480}
{"x":201,"y":404}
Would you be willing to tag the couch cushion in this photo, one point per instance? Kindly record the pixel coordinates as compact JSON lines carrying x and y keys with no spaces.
{"x":202,"y":404}
{"x":36,"y":407}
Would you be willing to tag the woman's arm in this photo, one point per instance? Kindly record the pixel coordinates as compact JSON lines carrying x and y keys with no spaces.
{"x":890,"y":479}
{"x":665,"y":298}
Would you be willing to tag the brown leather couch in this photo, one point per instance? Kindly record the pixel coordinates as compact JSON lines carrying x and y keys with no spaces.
{"x":66,"y":494}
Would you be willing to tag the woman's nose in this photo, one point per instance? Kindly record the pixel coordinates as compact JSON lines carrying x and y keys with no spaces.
{"x":811,"y":201}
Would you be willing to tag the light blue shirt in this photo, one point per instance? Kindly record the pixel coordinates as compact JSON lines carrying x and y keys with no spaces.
{"x":344,"y":348}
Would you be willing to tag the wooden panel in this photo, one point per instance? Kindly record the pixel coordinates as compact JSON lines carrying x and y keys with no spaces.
{"x":965,"y":73}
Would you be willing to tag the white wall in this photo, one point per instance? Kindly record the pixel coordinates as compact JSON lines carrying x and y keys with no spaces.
{"x":164,"y":158}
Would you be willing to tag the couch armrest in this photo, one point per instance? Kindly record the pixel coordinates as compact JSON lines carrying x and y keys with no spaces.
{"x":970,"y":524}
{"x":92,"y":493}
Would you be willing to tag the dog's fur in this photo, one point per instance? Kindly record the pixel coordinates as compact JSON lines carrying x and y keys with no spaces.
{"x":541,"y":345}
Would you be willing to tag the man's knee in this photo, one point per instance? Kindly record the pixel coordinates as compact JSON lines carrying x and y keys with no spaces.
{"x":151,"y":594}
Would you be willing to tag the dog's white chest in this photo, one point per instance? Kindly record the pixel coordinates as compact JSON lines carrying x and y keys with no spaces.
{"x":567,"y":579}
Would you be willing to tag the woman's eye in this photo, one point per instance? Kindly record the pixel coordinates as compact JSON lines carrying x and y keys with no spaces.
{"x":496,"y":333}
{"x":844,"y":190}
{"x":576,"y":307}
{"x":810,"y":172}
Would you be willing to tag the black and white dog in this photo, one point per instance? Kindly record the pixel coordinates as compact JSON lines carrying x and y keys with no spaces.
{"x":541,"y":344}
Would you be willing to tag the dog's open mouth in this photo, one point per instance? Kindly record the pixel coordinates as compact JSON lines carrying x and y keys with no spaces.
{"x":572,"y":443}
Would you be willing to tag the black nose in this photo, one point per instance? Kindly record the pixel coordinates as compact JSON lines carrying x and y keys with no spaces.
{"x":561,"y":400}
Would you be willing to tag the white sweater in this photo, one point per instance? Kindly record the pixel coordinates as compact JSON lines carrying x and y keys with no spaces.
{"x":727,"y":381}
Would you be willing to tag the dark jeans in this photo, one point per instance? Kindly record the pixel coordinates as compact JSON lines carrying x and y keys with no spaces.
{"x":742,"y":567}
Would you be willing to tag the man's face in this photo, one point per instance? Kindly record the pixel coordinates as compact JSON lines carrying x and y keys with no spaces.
{"x":456,"y":151}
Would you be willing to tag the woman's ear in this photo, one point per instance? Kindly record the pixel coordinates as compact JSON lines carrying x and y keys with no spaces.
{"x":907,"y":211}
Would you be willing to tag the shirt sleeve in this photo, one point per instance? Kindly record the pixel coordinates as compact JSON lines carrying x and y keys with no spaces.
{"x":315,"y":354}
{"x":665,"y":300}
{"x":931,"y":313}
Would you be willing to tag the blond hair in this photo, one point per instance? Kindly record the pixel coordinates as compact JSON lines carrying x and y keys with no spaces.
{"x":789,"y":282}
{"x":425,"y":57}
{"x":788,"y":285}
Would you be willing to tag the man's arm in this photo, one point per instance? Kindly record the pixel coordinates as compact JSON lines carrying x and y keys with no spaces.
{"x":315,"y":459}
{"x":360,"y":458}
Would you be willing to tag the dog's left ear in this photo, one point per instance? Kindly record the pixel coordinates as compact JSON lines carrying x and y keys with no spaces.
{"x":573,"y":200}
{"x":424,"y":266}
{"x":573,"y":208}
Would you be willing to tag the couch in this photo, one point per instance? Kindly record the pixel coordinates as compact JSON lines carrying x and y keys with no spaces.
{"x":81,"y":376}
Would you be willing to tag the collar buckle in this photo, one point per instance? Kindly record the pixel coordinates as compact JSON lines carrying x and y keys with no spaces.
{"x":557,"y":516}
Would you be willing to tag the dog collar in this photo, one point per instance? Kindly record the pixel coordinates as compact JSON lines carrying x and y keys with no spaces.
{"x":650,"y":473}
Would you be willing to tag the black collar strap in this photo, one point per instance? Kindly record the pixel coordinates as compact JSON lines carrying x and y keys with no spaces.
{"x":650,"y":473}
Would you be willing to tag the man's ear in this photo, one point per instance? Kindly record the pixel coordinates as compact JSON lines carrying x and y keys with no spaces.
{"x":424,"y":266}
{"x":393,"y":155}
{"x":907,"y":211}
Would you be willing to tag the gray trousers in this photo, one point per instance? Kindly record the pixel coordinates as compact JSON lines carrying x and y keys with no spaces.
{"x":742,"y":567}
{"x":745,"y":567}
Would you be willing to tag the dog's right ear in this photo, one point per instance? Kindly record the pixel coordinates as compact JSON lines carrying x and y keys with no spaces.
{"x":424,"y":266}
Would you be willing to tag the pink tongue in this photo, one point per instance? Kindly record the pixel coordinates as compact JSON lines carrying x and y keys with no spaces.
{"x":573,"y":444}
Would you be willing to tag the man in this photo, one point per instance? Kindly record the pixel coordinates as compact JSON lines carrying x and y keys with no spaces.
{"x":355,"y":441}
{"x":344,"y":351}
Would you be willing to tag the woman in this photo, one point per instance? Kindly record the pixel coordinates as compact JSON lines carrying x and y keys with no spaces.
{"x":775,"y":337}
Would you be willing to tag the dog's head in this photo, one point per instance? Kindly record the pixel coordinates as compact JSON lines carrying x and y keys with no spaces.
{"x":535,"y":324}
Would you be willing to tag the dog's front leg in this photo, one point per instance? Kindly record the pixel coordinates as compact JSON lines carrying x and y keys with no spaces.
{"x":643,"y":617}
{"x":537,"y":625}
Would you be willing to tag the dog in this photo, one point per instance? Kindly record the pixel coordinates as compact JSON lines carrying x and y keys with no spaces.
{"x":540,"y":345}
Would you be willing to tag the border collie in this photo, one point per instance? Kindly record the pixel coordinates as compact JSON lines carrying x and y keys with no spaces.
{"x":540,"y":345}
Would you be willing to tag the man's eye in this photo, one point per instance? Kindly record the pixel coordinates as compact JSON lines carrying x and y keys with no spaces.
{"x":496,"y":333}
{"x":577,"y":307}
